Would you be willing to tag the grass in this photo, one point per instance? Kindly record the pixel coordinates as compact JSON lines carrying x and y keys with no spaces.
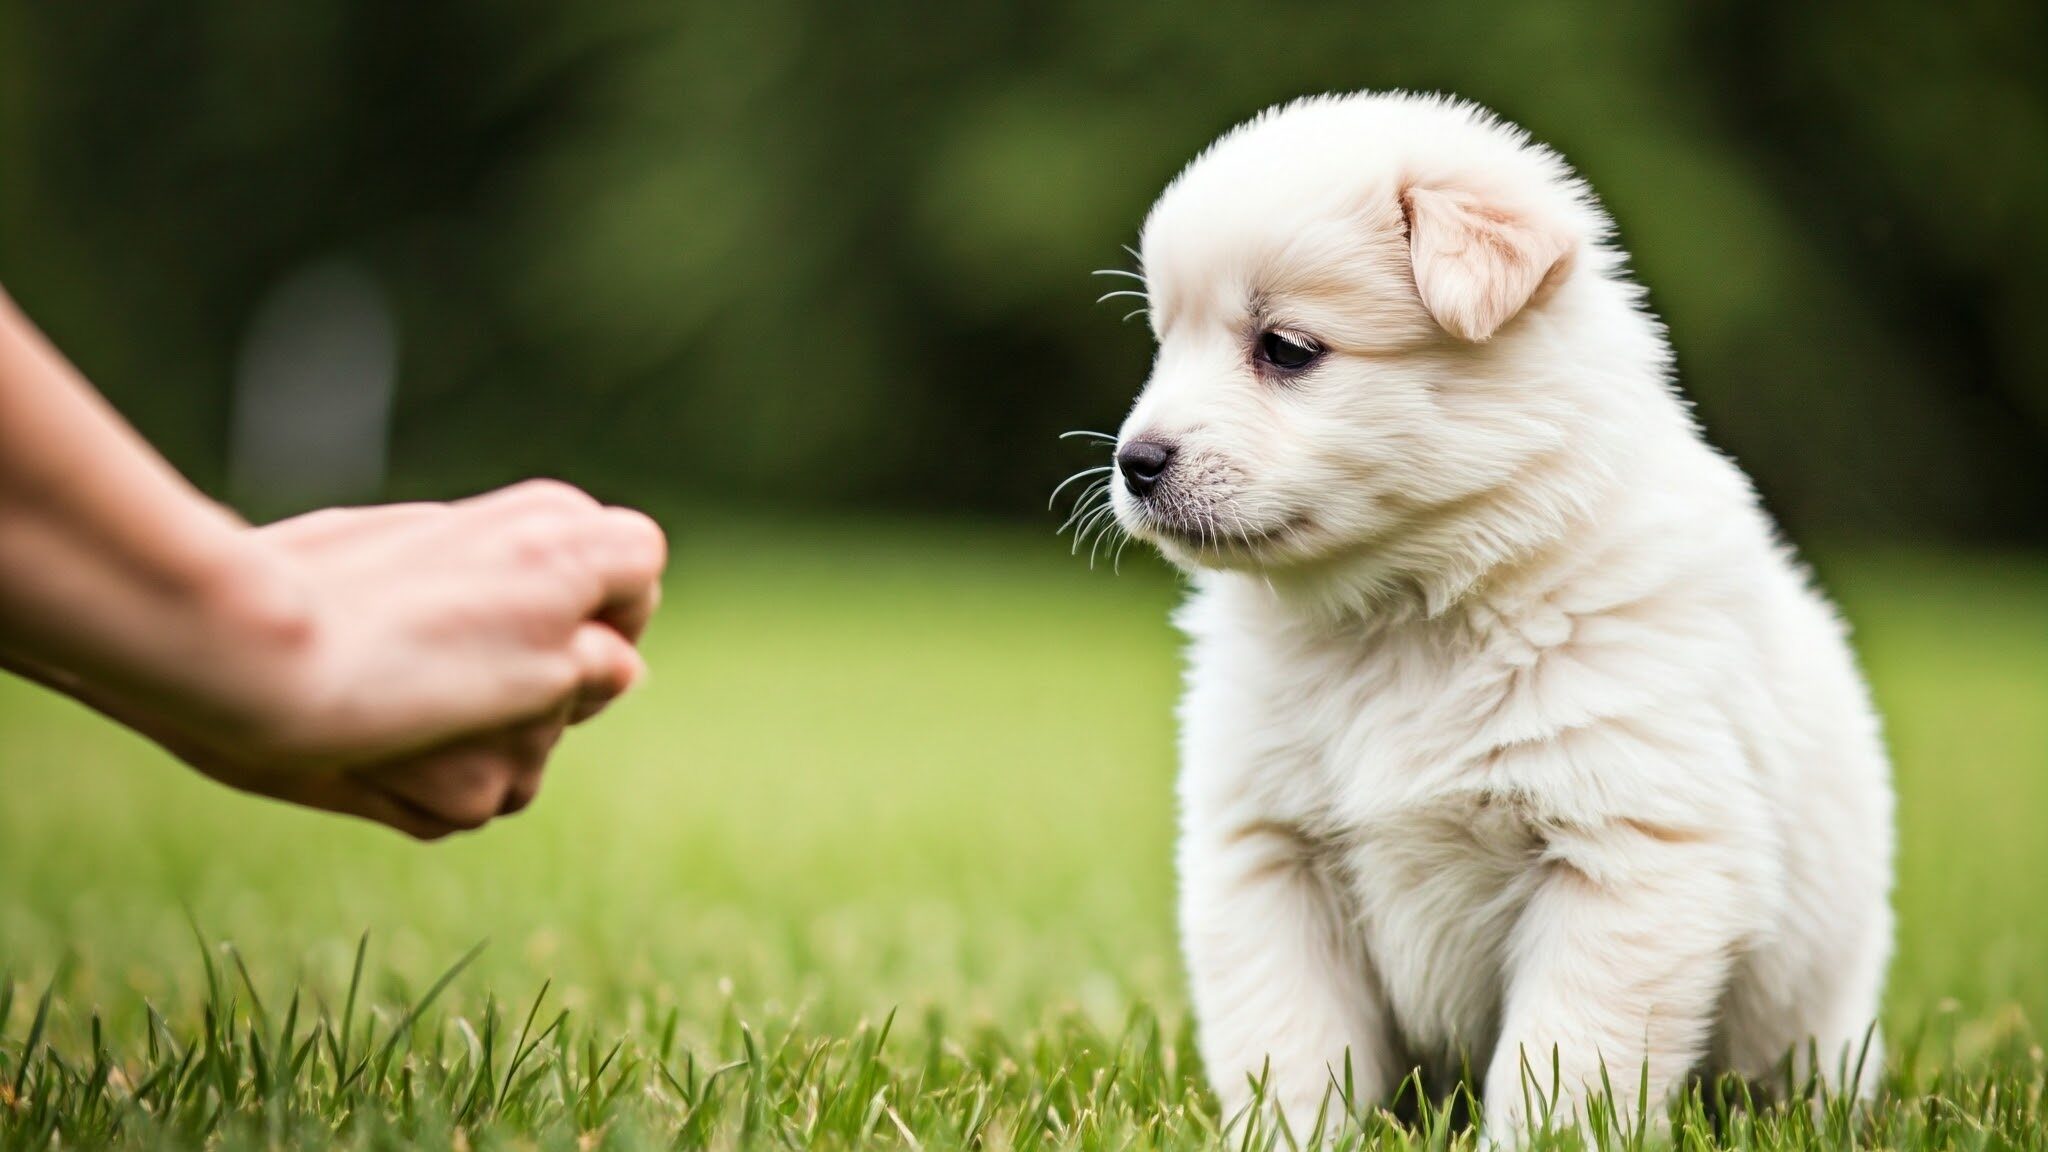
{"x":879,"y":856}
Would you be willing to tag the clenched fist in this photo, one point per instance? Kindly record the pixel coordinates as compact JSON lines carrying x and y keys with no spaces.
{"x":428,"y":656}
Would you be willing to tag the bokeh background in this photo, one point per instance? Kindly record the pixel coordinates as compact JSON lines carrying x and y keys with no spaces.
{"x":803,"y":253}
{"x":811,"y":280}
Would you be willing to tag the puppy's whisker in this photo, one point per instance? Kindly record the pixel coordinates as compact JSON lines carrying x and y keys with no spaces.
{"x":1082,"y":517}
{"x":1115,"y":536}
{"x":1106,"y":512}
{"x":1073,"y":523}
{"x":1081,"y":533}
{"x":1133,"y":312}
{"x":1238,"y":525}
{"x":1130,"y":293}
{"x":1138,"y":276}
{"x":1103,"y":511}
{"x":1096,"y":547}
{"x":1102,"y":534}
{"x":1093,"y":435}
{"x":1076,"y":476}
{"x":1083,"y":504}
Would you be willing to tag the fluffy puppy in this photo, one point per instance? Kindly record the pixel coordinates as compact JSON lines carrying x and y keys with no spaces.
{"x":1512,"y":732}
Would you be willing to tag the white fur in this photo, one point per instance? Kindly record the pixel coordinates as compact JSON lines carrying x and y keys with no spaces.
{"x":1511,"y":729}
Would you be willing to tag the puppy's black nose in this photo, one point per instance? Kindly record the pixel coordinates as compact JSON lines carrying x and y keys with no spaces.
{"x":1142,"y":463}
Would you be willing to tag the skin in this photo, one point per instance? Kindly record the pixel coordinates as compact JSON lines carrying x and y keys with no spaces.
{"x":408,"y":664}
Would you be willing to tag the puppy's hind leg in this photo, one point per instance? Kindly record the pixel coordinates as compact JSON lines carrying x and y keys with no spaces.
{"x":1790,"y":1022}
{"x":1618,"y":965}
{"x":1282,"y":989}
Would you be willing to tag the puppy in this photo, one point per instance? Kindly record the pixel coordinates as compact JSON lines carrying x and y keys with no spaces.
{"x":1512,"y":732}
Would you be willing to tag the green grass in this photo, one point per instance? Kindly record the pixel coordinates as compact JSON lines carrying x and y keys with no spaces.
{"x":879,"y":856}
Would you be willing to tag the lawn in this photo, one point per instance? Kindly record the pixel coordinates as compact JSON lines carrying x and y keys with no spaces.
{"x":880,"y":854}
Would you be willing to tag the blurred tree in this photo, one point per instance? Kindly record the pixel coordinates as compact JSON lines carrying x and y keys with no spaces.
{"x":1913,"y":147}
{"x":837,"y":254}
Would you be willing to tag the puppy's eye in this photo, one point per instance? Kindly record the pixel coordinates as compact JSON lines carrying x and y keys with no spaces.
{"x":1285,"y":352}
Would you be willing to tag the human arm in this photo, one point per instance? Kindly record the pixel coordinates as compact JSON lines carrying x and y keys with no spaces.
{"x":356,"y":660}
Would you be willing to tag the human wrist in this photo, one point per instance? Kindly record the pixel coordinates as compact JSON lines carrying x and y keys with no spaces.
{"x":253,"y":597}
{"x":195,"y":636}
{"x":255,"y":618}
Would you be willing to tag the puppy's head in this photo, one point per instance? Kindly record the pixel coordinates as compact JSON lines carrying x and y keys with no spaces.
{"x":1351,"y":297}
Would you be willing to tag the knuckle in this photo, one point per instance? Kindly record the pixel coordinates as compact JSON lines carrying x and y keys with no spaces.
{"x":460,"y":791}
{"x":553,"y":494}
{"x":532,"y":745}
{"x":316,"y":521}
{"x":560,"y":678}
{"x":538,"y":541}
{"x":473,"y":810}
{"x":519,"y":797}
{"x":643,"y":541}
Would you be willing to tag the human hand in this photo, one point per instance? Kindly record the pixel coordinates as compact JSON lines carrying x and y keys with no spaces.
{"x":412,"y":664}
{"x":416,"y":664}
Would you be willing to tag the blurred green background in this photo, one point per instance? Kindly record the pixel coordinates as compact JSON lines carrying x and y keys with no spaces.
{"x":812,"y":279}
{"x":800,"y":253}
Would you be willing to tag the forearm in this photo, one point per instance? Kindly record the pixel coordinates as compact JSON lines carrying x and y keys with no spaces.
{"x":115,"y":574}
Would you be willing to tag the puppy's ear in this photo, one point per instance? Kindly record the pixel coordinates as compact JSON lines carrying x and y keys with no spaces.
{"x":1476,"y":264}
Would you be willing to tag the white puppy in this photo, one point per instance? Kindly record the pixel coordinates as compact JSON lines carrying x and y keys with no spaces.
{"x":1511,"y":728}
